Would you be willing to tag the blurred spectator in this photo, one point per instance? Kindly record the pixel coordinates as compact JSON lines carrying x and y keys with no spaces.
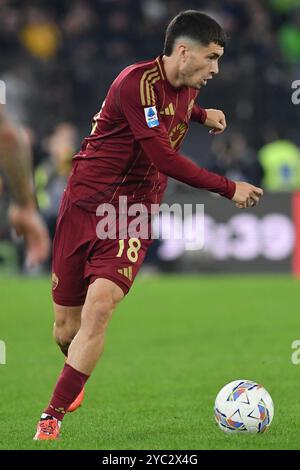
{"x":283,"y":6}
{"x":20,"y":91}
{"x":280,"y":161}
{"x":10,"y":24}
{"x":289,"y":39}
{"x":51,"y":175}
{"x":233,"y":158}
{"x":40,"y":34}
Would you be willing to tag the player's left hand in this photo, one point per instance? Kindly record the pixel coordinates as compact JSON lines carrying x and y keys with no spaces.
{"x":215,"y":121}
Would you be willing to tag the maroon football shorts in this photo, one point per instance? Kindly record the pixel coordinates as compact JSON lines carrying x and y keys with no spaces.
{"x":80,"y":256}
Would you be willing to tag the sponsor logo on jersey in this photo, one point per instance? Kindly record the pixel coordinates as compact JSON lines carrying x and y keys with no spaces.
{"x":151,"y":116}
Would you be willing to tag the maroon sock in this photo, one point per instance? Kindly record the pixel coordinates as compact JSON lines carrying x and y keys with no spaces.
{"x":68,"y":387}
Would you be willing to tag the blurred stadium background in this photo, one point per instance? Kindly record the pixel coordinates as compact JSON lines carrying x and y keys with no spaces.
{"x":57,"y":60}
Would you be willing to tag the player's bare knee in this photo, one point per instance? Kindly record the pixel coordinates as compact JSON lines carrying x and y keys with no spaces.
{"x":63,"y":334}
{"x":67,"y":324}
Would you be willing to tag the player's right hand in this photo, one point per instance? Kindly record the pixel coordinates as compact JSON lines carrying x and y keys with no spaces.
{"x":246,"y":195}
{"x":28,"y":223}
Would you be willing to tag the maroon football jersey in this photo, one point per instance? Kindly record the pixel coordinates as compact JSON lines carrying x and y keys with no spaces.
{"x":134,"y":142}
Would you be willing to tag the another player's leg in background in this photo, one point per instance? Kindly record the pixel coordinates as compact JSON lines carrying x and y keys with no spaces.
{"x":83,"y":353}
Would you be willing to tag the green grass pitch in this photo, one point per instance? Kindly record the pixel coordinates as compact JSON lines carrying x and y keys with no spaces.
{"x":171,"y":345}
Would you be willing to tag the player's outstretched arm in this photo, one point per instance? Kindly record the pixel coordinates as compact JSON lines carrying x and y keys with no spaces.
{"x":15,"y":161}
{"x":178,"y":166}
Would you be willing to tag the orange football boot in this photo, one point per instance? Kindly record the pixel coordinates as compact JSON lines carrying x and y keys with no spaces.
{"x":47,"y":429}
{"x":77,"y":402}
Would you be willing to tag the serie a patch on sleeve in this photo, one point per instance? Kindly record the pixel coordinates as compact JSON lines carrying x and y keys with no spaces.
{"x":151,"y":116}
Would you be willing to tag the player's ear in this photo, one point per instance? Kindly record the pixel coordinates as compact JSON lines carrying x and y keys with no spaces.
{"x":182,"y":51}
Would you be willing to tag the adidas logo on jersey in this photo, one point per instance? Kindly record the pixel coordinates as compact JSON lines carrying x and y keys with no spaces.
{"x":168,"y":111}
{"x":127,"y":272}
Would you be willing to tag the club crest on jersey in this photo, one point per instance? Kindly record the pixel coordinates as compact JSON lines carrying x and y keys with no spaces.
{"x":151,"y":116}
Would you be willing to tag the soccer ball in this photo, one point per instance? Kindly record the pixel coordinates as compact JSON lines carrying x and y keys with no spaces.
{"x":244,"y":406}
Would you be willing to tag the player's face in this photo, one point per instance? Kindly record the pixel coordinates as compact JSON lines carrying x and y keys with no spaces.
{"x":199,"y":64}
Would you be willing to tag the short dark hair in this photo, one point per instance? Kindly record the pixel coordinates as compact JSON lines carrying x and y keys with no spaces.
{"x":196,"y":26}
